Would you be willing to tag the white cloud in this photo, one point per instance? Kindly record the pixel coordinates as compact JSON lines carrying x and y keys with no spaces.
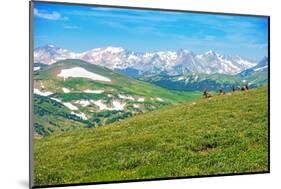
{"x":48,"y":15}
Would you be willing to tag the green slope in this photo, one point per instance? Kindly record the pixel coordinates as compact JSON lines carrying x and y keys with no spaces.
{"x":119,"y":82}
{"x":51,"y":116}
{"x":224,"y":134}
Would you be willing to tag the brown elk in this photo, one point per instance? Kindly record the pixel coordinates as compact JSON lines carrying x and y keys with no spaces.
{"x":247,"y":86}
{"x":206,"y":94}
{"x":221,"y":91}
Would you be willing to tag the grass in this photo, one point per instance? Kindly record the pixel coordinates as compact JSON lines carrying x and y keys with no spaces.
{"x":224,"y":134}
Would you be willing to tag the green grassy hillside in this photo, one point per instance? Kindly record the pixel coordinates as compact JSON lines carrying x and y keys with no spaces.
{"x":120,"y":83}
{"x":95,"y":108}
{"x":224,"y":134}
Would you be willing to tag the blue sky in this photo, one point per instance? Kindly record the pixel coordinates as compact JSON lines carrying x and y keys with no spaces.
{"x":81,"y":28}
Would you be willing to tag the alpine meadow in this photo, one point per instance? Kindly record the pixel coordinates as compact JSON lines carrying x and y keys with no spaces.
{"x":134,"y":94}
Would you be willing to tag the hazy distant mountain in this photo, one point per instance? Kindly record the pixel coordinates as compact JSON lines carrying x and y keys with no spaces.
{"x":261,"y":66}
{"x":149,"y":63}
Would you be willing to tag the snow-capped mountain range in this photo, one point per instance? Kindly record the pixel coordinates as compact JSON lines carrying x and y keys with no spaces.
{"x":169,"y":62}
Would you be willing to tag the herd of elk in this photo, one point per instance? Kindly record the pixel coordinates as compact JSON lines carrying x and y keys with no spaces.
{"x":206,"y":94}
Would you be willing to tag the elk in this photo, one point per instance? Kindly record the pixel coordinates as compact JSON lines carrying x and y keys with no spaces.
{"x":221,"y":91}
{"x":233,"y":88}
{"x":206,"y":94}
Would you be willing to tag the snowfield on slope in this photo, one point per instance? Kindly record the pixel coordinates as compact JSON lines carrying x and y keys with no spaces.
{"x":81,"y":72}
{"x":70,"y":106}
{"x":261,"y":68}
{"x":66,"y":90}
{"x":56,"y":99}
{"x":46,"y":93}
{"x":116,"y":105}
{"x":141,"y":99}
{"x":36,"y":68}
{"x":81,"y":115}
{"x":94,"y":91}
{"x":136,"y":105}
{"x":83,"y":103}
{"x":127,"y":97}
{"x":159,"y":99}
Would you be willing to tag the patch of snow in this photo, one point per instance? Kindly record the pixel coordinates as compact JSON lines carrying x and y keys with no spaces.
{"x":261,"y":68}
{"x":83,"y":103}
{"x":46,"y":93}
{"x":180,"y":78}
{"x":81,"y":115}
{"x":136,"y":105}
{"x":141,"y":99}
{"x":159,"y":99}
{"x":66,"y":90}
{"x":127,"y":97}
{"x":117,"y":105}
{"x":94,"y":91}
{"x":81,"y":72}
{"x":70,"y":106}
{"x":41,"y":85}
{"x":36,"y":68}
{"x":100,"y":104}
{"x":56,"y":99}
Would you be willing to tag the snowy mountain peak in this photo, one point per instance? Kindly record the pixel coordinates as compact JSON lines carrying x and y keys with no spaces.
{"x":184,"y":51}
{"x":211,"y":52}
{"x":114,"y":49}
